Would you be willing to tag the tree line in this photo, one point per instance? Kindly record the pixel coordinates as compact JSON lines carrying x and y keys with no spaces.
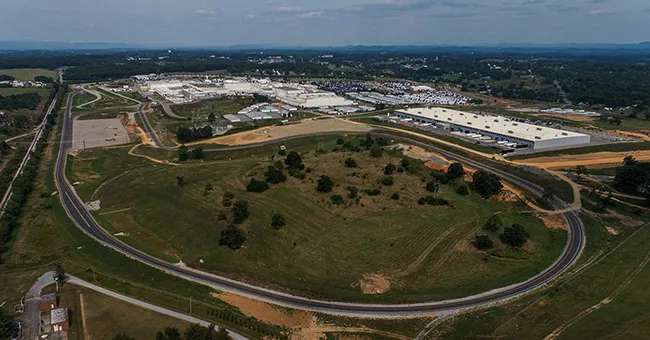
{"x":20,"y":101}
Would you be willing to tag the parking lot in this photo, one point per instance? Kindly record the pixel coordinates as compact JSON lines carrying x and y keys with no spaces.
{"x":95,"y":133}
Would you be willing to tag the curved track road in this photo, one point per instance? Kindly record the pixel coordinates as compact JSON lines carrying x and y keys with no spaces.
{"x":77,"y":211}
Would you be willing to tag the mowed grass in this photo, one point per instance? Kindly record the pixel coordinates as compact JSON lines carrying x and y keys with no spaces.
{"x":83,"y":98}
{"x":106,"y":317}
{"x":29,"y":73}
{"x":219,"y":106}
{"x":324,"y":250}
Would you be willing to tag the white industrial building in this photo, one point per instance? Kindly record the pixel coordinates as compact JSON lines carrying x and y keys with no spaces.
{"x":500,"y":129}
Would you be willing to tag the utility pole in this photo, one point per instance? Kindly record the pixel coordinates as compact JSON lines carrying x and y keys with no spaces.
{"x":190,"y":305}
{"x":93,"y":269}
{"x":84,"y":144}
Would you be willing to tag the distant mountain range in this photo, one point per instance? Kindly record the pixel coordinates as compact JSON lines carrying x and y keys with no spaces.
{"x":580,"y":48}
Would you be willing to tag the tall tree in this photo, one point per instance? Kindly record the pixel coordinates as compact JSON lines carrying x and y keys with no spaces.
{"x":169,"y":333}
{"x":293,"y":160}
{"x":455,"y":170}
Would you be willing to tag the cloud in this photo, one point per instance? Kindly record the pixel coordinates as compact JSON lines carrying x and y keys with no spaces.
{"x":598,"y":1}
{"x":460,"y":4}
{"x":289,"y":9}
{"x":533,"y":2}
{"x":599,"y":12}
{"x":206,"y":12}
{"x":311,"y":14}
{"x":454,"y":15}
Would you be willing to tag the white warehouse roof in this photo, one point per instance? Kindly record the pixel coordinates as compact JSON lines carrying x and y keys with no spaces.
{"x":496,"y":124}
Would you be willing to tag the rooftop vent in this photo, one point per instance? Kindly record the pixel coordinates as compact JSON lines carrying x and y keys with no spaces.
{"x":515,"y":124}
{"x":496,"y":120}
{"x":538,"y":137}
{"x":510,"y":131}
{"x":487,"y":126}
{"x":564,"y":134}
{"x":469,"y":123}
{"x":539,"y":129}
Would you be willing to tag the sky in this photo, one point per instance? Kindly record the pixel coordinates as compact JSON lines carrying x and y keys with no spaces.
{"x":326,"y":22}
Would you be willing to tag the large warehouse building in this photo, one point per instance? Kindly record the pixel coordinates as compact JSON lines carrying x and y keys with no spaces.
{"x":496,"y":127}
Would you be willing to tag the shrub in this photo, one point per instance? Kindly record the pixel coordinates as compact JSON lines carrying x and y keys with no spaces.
{"x":394,"y":196}
{"x":221,"y":216}
{"x":274,"y":175}
{"x":340,"y":141}
{"x":463,"y":190}
{"x":232,"y":237}
{"x":308,"y":170}
{"x":387,"y":181}
{"x":422,"y":201}
{"x":282,"y":153}
{"x":208,"y":187}
{"x":293,"y":160}
{"x":337,"y":199}
{"x":197,"y":153}
{"x":353,"y":191}
{"x":297,"y":174}
{"x":301,"y":167}
{"x":376,"y":151}
{"x":389,"y":169}
{"x":406,"y":163}
{"x":432,"y":200}
{"x":240,"y":212}
{"x":277,"y":221}
{"x":325,"y":184}
{"x":515,"y":236}
{"x":226,"y":202}
{"x":483,"y":242}
{"x":433,"y":186}
{"x":257,"y":186}
{"x":494,"y":223}
{"x":350,"y":163}
{"x":228,"y":194}
{"x":373,"y":192}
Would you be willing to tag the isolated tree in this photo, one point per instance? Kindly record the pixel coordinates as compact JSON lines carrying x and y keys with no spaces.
{"x":232,"y":237}
{"x":4,"y":148}
{"x":282,"y":152}
{"x":581,"y":170}
{"x":277,"y":221}
{"x":337,"y":199}
{"x":394,"y":196}
{"x":494,"y":223}
{"x":180,"y":181}
{"x":483,"y":242}
{"x":389,"y":169}
{"x":350,"y":163}
{"x":486,"y":184}
{"x":59,"y":273}
{"x":376,"y":151}
{"x":455,"y":170}
{"x":210,"y":332}
{"x":197,"y":153}
{"x":368,"y":141}
{"x":211,"y":118}
{"x":123,"y":336}
{"x":340,"y":141}
{"x":240,"y":212}
{"x":462,"y":190}
{"x":515,"y":236}
{"x":169,"y":333}
{"x":387,"y":180}
{"x":293,"y":160}
{"x":406,"y":163}
{"x":353,"y":191}
{"x":208,"y":187}
{"x":325,"y":184}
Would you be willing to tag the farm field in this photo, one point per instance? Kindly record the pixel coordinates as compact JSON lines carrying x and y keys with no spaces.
{"x":325,"y":250}
{"x":29,"y":73}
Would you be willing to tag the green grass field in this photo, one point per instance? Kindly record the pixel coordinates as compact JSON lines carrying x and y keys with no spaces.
{"x":29,"y":73}
{"x":8,"y":91}
{"x":82,"y":98}
{"x":620,"y":147}
{"x":328,"y":248}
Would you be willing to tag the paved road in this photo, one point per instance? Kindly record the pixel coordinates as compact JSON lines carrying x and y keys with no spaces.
{"x":77,"y":211}
{"x":31,"y":318}
{"x":152,"y":134}
{"x":169,"y":111}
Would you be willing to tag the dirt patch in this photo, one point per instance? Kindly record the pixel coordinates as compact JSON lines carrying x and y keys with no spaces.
{"x":266,"y":312}
{"x":624,"y":219}
{"x":643,"y":135}
{"x":612,"y":230}
{"x":95,"y":133}
{"x":304,"y":127}
{"x":304,"y":325}
{"x":374,"y":284}
{"x":592,"y":160}
{"x":553,"y":221}
{"x":575,"y":118}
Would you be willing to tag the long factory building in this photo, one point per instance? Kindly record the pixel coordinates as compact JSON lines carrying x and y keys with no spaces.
{"x":496,"y":127}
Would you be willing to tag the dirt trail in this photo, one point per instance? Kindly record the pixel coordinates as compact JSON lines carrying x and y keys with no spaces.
{"x":558,"y":331}
{"x":575,"y":118}
{"x":165,"y":162}
{"x":304,"y":325}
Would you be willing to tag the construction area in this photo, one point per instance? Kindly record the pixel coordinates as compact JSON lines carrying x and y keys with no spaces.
{"x":96,"y":133}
